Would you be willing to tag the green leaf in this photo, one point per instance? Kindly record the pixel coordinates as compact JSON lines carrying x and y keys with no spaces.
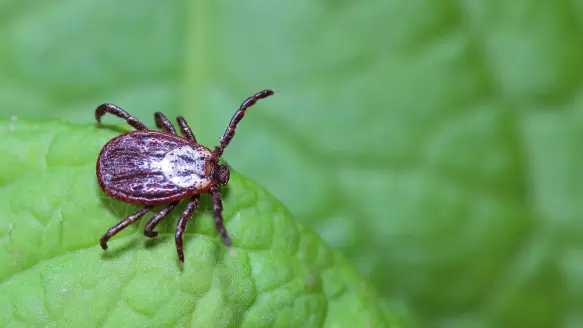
{"x":54,"y":274}
{"x":436,"y":143}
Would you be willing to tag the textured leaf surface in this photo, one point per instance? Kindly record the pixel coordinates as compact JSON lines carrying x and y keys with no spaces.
{"x":435,"y":142}
{"x":54,"y":274}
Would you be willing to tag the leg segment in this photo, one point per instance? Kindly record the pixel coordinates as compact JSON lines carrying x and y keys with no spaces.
{"x":186,"y":131}
{"x":151,"y":225}
{"x":181,"y":226}
{"x":122,"y":225}
{"x":114,"y":110}
{"x":218,"y":214}
{"x":163,"y":123}
{"x":230,"y":132}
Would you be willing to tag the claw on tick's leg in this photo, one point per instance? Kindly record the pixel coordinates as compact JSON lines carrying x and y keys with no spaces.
{"x":181,"y":256}
{"x":151,"y":234}
{"x":103,"y":243}
{"x":227,"y":240}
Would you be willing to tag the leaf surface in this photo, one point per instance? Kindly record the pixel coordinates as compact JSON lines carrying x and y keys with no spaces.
{"x":54,"y":274}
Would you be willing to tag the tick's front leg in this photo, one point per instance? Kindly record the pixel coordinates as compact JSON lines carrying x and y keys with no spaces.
{"x":218,"y":214}
{"x":230,"y":132}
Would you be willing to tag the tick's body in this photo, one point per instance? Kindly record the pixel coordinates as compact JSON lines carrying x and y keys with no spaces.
{"x":152,"y":168}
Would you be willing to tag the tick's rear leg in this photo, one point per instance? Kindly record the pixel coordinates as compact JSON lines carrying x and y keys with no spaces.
{"x":148,"y":231}
{"x":114,"y":110}
{"x":122,"y":225}
{"x":218,"y":214}
{"x":163,"y":123}
{"x":186,"y":131}
{"x":181,"y":226}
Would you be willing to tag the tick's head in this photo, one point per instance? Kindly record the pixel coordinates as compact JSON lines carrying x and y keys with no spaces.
{"x":222,"y":174}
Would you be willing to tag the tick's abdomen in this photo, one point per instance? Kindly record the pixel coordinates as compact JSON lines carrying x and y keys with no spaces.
{"x":152,"y":167}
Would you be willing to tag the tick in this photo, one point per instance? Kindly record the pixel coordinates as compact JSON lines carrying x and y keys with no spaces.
{"x":150,"y":168}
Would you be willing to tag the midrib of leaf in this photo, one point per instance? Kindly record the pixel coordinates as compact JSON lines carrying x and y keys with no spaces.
{"x":195,"y":58}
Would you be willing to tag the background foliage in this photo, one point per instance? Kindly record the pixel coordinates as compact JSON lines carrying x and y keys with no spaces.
{"x":436,"y":143}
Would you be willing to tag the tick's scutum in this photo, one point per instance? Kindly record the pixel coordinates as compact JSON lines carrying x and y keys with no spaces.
{"x":186,"y":167}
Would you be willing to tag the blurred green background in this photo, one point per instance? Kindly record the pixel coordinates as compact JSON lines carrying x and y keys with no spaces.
{"x":436,"y":143}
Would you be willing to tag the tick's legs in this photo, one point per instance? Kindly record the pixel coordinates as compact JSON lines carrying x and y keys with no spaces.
{"x":163,"y":123}
{"x":230,"y":132}
{"x":114,"y":110}
{"x":186,"y":131}
{"x":122,"y":225}
{"x":181,"y":226}
{"x":218,"y":214}
{"x":148,"y":231}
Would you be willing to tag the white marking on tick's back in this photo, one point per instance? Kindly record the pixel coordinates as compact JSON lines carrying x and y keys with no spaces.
{"x":185,"y":167}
